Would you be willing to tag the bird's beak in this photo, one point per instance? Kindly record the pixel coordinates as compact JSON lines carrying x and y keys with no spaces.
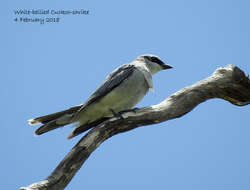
{"x":165,"y":66}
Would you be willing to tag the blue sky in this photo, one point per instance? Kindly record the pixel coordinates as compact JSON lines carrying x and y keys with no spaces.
{"x":50,"y":67}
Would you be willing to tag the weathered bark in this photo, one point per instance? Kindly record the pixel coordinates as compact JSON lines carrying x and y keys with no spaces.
{"x":228,"y":83}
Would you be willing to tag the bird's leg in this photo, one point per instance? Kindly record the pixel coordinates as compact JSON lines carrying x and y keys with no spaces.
{"x":116,"y":114}
{"x":129,"y":110}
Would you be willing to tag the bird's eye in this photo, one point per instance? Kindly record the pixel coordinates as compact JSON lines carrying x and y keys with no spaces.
{"x":154,"y":59}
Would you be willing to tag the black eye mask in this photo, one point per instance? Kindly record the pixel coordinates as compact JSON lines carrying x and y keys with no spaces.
{"x":155,"y":60}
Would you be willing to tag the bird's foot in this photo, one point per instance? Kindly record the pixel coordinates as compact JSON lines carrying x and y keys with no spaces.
{"x":129,"y":110}
{"x":115,"y":114}
{"x":119,"y":114}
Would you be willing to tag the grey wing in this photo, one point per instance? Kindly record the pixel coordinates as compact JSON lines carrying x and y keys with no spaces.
{"x":111,"y":82}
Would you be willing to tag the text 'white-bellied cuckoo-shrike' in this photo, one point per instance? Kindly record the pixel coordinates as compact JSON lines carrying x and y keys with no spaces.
{"x":121,"y":90}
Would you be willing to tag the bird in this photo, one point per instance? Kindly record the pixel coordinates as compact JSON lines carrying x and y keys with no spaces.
{"x":122,"y":89}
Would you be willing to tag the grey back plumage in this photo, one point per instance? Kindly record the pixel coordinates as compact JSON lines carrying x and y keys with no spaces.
{"x":112,"y":81}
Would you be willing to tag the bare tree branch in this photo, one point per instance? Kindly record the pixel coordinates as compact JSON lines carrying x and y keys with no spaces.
{"x":228,"y":83}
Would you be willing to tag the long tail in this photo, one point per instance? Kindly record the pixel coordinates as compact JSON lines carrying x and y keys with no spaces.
{"x":53,"y":121}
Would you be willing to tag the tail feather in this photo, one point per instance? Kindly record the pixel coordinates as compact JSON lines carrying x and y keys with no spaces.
{"x":48,"y":127}
{"x":79,"y":130}
{"x":85,"y":127}
{"x":54,"y":120}
{"x":59,"y":119}
{"x":47,"y":118}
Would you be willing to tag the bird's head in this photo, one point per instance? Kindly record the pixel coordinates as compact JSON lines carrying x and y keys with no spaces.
{"x":153,"y":63}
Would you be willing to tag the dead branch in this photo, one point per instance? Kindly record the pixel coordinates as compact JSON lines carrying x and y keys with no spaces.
{"x":228,"y":83}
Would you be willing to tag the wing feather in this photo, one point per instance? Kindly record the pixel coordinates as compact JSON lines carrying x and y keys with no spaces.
{"x":112,"y":81}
